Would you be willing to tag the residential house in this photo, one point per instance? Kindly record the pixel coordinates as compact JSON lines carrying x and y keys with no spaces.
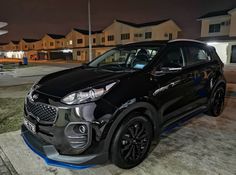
{"x":75,"y":45}
{"x":123,"y":32}
{"x":218,"y":29}
{"x":14,"y":45}
{"x":28,"y":47}
{"x":3,"y":46}
{"x":53,"y":41}
{"x":78,"y":41}
{"x":2,"y":49}
{"x":55,"y":47}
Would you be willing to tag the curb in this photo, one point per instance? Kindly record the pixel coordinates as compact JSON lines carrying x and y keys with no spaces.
{"x":7,"y":163}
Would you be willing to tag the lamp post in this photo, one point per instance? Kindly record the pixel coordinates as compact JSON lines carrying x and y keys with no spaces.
{"x":90,"y":33}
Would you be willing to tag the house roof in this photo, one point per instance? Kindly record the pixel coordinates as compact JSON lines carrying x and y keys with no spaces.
{"x":27,"y":40}
{"x":215,"y":13}
{"x":218,"y":38}
{"x":86,"y":32}
{"x":15,"y":42}
{"x":55,"y":36}
{"x":142,"y":24}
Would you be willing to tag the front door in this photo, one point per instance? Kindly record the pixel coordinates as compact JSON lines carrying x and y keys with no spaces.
{"x":233,"y":54}
{"x":169,"y":92}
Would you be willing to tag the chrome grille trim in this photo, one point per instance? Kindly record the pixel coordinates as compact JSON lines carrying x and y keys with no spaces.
{"x":42,"y":112}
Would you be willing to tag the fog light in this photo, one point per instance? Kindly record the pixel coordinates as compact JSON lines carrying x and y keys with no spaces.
{"x":78,"y":134}
{"x":82,"y":129}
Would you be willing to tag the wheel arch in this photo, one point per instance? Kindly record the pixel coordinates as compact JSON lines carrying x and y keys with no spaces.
{"x":150,"y":111}
{"x":221,"y":82}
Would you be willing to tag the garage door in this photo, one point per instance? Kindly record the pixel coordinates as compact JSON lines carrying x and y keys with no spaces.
{"x":233,"y":54}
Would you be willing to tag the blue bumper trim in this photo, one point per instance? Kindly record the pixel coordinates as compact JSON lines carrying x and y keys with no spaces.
{"x":56,"y":163}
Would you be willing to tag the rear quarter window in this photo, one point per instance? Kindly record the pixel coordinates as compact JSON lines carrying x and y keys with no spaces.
{"x":197,"y":55}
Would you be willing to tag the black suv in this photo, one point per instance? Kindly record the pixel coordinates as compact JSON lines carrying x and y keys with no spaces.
{"x":115,"y":107}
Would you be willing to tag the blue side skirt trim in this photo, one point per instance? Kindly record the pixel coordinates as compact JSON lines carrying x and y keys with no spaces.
{"x":56,"y":163}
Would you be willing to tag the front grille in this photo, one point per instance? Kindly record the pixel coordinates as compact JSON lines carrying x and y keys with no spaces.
{"x":42,"y":112}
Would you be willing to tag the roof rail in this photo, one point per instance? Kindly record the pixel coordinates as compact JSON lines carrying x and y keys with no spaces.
{"x":192,"y":40}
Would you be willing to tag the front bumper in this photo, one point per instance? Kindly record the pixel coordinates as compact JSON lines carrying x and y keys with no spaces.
{"x":52,"y":157}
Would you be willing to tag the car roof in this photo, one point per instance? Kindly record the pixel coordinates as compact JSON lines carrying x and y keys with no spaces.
{"x":162,"y":43}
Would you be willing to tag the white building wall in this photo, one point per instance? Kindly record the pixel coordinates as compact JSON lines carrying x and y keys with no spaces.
{"x":224,"y":30}
{"x":222,"y":50}
{"x":233,"y":24}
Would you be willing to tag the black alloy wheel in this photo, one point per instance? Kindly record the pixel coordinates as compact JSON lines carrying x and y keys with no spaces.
{"x":132,"y":141}
{"x":217,"y":102}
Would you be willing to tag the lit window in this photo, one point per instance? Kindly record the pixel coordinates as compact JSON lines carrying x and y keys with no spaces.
{"x":70,"y":42}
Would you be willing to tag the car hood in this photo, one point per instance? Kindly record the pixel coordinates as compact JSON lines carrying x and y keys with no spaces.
{"x":60,"y":84}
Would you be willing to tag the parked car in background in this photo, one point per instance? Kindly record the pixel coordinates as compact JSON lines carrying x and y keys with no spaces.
{"x":113,"y":108}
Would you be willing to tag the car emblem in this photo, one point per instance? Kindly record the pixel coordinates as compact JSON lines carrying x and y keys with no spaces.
{"x":35,"y":96}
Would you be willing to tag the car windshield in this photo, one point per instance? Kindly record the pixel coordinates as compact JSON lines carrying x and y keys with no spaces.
{"x":125,"y":58}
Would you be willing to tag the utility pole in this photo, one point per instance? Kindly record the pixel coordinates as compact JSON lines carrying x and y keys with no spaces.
{"x":90,"y":32}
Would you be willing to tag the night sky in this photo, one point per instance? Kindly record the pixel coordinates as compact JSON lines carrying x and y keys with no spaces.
{"x":34,"y":18}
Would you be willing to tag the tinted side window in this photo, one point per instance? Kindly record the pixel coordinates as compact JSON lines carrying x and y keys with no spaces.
{"x":173,"y":58}
{"x":197,"y":55}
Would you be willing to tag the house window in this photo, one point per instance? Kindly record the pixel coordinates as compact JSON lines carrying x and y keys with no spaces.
{"x":103,"y":39}
{"x":33,"y":46}
{"x":94,"y":40}
{"x":79,"y":41}
{"x":78,"y":53}
{"x":170,"y":36}
{"x":213,"y":28}
{"x":25,"y":46}
{"x":51,"y":44}
{"x":125,"y":36}
{"x":110,"y":38}
{"x":148,"y":35}
{"x":138,"y":35}
{"x":70,"y":42}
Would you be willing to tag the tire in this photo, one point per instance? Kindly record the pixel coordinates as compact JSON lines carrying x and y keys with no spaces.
{"x":131,"y":142}
{"x":216,"y":102}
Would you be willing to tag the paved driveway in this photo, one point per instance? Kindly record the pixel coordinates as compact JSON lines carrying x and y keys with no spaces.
{"x":202,"y":145}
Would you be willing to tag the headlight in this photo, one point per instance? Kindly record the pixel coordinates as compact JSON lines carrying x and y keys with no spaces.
{"x":34,"y":87}
{"x":89,"y":95}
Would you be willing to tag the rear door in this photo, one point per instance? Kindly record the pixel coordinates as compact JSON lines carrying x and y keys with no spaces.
{"x":199,"y":72}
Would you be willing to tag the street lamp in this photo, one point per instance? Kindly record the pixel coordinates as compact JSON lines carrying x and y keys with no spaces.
{"x":90,"y":32}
